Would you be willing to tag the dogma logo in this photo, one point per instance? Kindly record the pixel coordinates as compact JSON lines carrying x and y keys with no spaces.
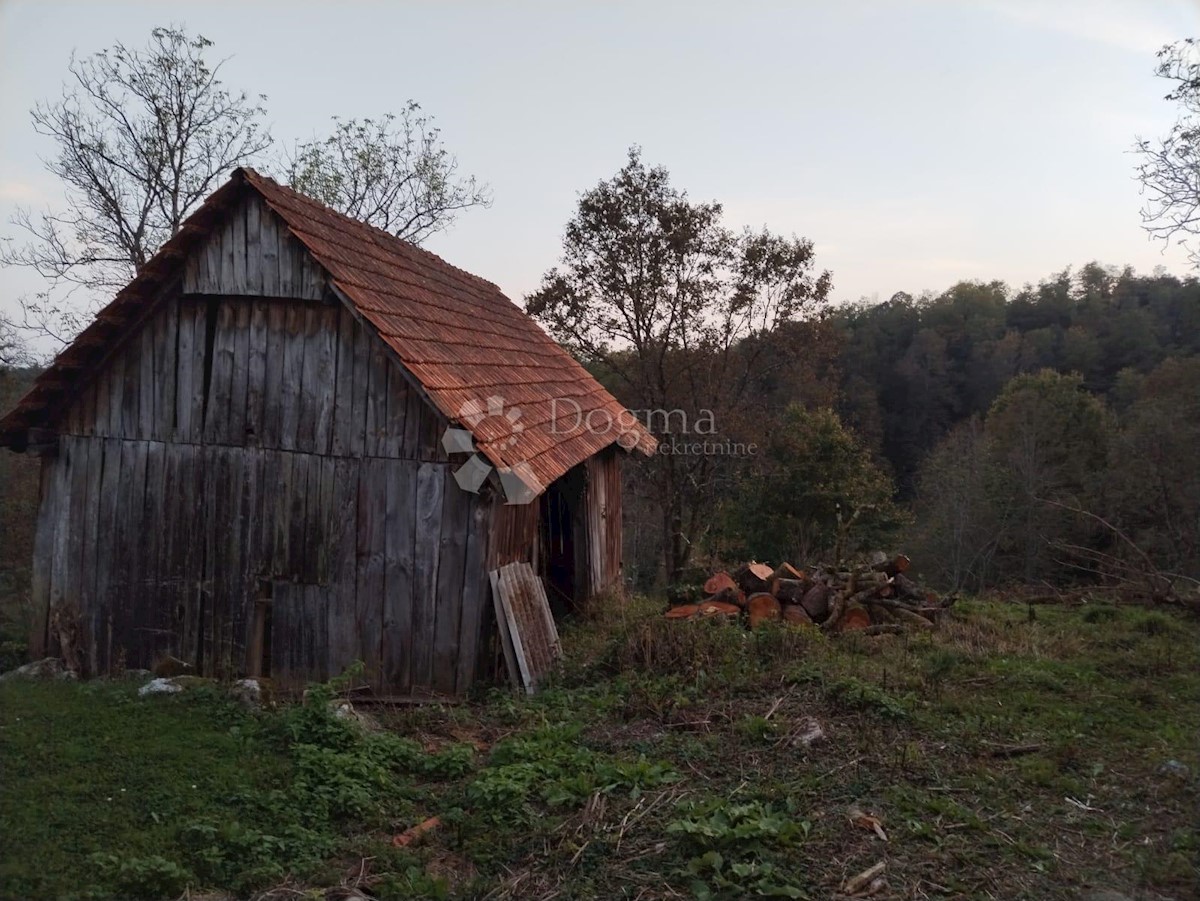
{"x":518,"y":482}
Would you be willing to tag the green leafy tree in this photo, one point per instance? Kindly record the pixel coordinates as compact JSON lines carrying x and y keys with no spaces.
{"x":1153,"y":483}
{"x":1047,"y":440}
{"x":812,"y":490}
{"x":682,"y":314}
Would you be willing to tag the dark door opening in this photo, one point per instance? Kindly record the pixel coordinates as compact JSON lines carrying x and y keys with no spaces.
{"x":558,"y":542}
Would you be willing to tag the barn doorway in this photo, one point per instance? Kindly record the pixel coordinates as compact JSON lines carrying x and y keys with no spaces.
{"x":560,"y":533}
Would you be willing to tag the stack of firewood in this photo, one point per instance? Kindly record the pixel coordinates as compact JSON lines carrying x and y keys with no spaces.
{"x":875,"y":595}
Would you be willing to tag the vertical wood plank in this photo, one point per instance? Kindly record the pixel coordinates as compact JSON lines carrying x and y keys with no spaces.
{"x":342,"y":613}
{"x":399,"y":545}
{"x":474,"y":596}
{"x":359,"y":391}
{"x":168,"y":367}
{"x":343,"y":406}
{"x":372,"y":508}
{"x":147,"y":380}
{"x":273,"y":386}
{"x":256,"y":371}
{"x":323,"y":351}
{"x":101,"y":417}
{"x":269,"y":229}
{"x":202,"y":366}
{"x":184,"y":353}
{"x":251,"y":211}
{"x":217,"y":410}
{"x":292,"y":377}
{"x":240,"y":350}
{"x":428,"y":513}
{"x":455,"y":524}
{"x":116,"y":390}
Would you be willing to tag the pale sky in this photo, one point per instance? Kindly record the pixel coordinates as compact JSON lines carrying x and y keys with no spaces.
{"x":916,"y":144}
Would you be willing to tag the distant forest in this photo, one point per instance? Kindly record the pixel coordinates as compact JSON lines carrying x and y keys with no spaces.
{"x":912,"y":368}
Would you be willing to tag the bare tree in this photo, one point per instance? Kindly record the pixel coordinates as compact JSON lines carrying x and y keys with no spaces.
{"x":142,"y":136}
{"x":1170,"y":166}
{"x":13,"y":352}
{"x":392,"y":172}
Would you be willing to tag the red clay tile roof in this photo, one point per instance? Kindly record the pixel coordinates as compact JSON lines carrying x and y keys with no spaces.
{"x":461,"y":339}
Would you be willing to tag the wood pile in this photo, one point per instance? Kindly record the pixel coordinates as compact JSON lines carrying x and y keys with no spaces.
{"x":875,"y":596}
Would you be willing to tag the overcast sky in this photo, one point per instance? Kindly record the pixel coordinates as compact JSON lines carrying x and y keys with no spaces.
{"x":915,"y":143}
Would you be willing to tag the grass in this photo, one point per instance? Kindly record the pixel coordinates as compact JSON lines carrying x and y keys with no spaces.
{"x":1006,"y":758}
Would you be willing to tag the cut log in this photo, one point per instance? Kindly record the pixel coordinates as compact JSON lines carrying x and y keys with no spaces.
{"x":790,"y":591}
{"x":816,"y":602}
{"x":879,"y":613}
{"x":911,"y":618}
{"x":683,"y":611}
{"x":794,"y":614}
{"x":728,"y":595}
{"x":897,"y":564}
{"x":787,"y":571}
{"x":718,"y":608}
{"x":837,"y":605}
{"x":718,"y":582}
{"x":865,"y":594}
{"x":762,"y":607}
{"x":753,"y":578}
{"x":855,"y":617}
{"x":906,"y":587}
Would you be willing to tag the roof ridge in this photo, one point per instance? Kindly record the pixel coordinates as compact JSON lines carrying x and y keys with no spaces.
{"x":252,"y":175}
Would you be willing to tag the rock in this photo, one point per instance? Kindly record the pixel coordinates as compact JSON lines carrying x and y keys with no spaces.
{"x":344,"y":710}
{"x":247,"y":692}
{"x":1174,"y":768}
{"x":46,"y":668}
{"x":809,"y":734}
{"x":168,"y":666}
{"x":159,"y":687}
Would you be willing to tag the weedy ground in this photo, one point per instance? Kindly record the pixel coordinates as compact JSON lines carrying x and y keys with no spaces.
{"x":1005,"y":757}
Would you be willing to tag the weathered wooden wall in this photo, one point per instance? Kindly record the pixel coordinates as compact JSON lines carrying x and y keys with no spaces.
{"x":602,"y":521}
{"x":240,"y":448}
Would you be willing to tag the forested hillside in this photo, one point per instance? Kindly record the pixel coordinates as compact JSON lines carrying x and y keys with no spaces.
{"x":1045,"y":435}
{"x":913,"y":368}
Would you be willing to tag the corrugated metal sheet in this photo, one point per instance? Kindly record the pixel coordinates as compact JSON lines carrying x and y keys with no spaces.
{"x":462,"y":340}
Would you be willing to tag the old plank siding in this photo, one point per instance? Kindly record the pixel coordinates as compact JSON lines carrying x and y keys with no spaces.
{"x":343,"y":391}
{"x":221,"y":374}
{"x":320,"y":372}
{"x":341,"y":614}
{"x":298,"y":634}
{"x":184,"y":356}
{"x":475,"y":610}
{"x":370,"y":571}
{"x":238,"y":386}
{"x":43,"y":541}
{"x":455,"y":526}
{"x":291,"y":374}
{"x":273,"y":384}
{"x":399,"y":553}
{"x":253,"y":254}
{"x":256,"y":372}
{"x":428,"y":517}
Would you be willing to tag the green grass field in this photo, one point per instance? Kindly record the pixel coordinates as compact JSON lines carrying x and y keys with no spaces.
{"x":1005,"y":758}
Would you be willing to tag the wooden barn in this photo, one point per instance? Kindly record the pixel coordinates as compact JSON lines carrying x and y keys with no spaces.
{"x":294,"y":441}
